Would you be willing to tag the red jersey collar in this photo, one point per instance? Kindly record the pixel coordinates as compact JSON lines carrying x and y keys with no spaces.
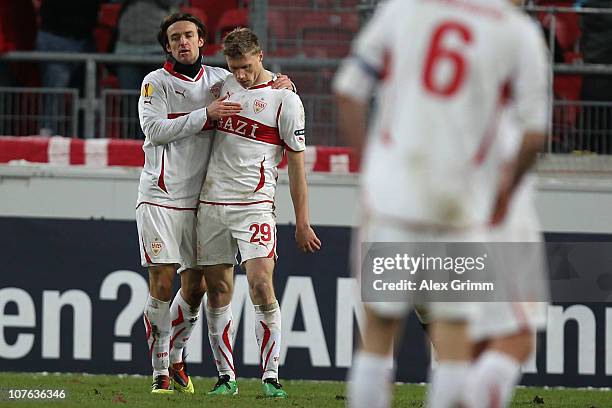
{"x":269,"y":83}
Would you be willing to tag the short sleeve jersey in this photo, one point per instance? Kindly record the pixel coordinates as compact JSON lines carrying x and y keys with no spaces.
{"x":443,"y":71}
{"x":249,"y":146}
{"x":178,"y":136}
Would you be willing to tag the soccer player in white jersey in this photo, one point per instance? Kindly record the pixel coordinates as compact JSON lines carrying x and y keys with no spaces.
{"x":441,"y":69}
{"x":236,"y":210}
{"x":177,"y":107}
{"x":504,"y":332}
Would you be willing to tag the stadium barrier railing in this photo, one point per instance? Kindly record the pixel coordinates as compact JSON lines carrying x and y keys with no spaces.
{"x":581,"y":127}
{"x":312,"y":75}
{"x":36,"y":111}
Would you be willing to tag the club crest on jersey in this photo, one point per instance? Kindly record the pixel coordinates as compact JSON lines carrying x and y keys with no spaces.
{"x":259,"y":105}
{"x":147,"y":90}
{"x":215,"y":90}
{"x":156,"y":246}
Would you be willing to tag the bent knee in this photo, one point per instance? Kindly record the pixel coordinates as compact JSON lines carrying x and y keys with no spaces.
{"x":262,"y":288}
{"x":520,"y":345}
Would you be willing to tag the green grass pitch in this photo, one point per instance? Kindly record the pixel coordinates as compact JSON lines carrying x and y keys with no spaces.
{"x":114,"y":391}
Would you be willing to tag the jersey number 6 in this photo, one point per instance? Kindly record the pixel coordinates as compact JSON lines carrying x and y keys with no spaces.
{"x":438,"y":52}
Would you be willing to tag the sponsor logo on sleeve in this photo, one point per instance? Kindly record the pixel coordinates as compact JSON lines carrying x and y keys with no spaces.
{"x":259,"y":105}
{"x":147,"y":90}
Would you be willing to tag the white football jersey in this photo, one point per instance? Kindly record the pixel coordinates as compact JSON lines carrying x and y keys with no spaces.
{"x":248,"y":147}
{"x":178,"y":136}
{"x":444,"y":71}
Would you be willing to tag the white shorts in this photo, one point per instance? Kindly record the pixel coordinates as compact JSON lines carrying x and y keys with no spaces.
{"x":167,"y":236}
{"x":524,"y":277}
{"x":383,"y":231}
{"x":223,"y":230}
{"x":497,"y":319}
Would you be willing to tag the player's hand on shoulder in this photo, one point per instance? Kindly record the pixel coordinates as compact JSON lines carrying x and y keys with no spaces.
{"x":306,"y":239}
{"x":219,"y":108}
{"x":283,"y":82}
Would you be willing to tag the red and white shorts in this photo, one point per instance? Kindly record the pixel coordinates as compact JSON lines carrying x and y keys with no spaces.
{"x":167,"y":236}
{"x":223,"y":230}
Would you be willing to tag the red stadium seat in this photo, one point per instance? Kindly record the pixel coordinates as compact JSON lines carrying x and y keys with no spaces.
{"x":567,"y":87}
{"x":229,"y":20}
{"x":213,"y":9}
{"x":567,"y":28}
{"x":104,"y":33}
{"x":326,"y":34}
{"x":109,"y":14}
{"x":291,"y":4}
{"x":212,"y":49}
{"x":198,"y":12}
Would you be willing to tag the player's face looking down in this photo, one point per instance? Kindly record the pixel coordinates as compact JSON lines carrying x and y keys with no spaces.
{"x":184,"y":42}
{"x":247,"y":69}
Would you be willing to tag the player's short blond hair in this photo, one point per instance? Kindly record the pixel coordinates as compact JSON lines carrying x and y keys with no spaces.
{"x":241,"y":42}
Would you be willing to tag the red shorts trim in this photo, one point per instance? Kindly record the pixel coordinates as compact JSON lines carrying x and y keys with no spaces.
{"x":251,"y":203}
{"x":167,"y":206}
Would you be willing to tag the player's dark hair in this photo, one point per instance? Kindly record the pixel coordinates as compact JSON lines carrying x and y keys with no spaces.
{"x":240,"y":42}
{"x":162,"y":36}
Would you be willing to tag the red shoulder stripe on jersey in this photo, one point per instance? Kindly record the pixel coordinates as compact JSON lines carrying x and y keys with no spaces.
{"x":492,"y":129}
{"x":386,"y":68}
{"x":177,"y":115}
{"x":208,"y":125}
{"x":160,"y":180}
{"x":278,"y":114}
{"x":262,"y":176}
{"x":250,"y":203}
{"x":168,"y":67}
{"x":250,"y":129}
{"x":166,"y":206}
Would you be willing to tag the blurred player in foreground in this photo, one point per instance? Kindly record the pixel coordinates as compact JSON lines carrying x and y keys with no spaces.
{"x":236,"y":210}
{"x":177,"y":108}
{"x":432,"y":171}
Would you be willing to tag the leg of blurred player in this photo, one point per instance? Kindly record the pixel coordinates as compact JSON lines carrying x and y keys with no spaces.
{"x":184,"y":314}
{"x":221,"y":331}
{"x":157,"y":324}
{"x":371,"y":375}
{"x":498,"y":370}
{"x":454,"y":351}
{"x":267,"y":322}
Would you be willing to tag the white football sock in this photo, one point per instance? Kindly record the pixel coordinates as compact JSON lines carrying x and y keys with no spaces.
{"x":184,"y":318}
{"x":268,"y":334}
{"x":447,"y":383}
{"x":370,"y":381}
{"x":221,"y":334}
{"x":491,"y":380}
{"x":157,"y":325}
